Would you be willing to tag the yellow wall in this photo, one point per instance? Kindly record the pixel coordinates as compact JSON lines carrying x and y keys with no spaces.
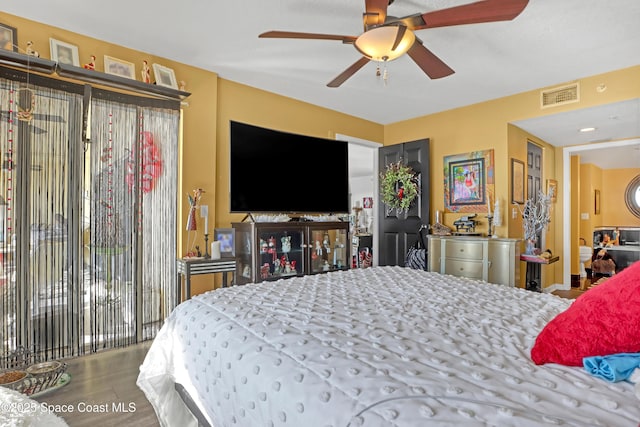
{"x":215,"y":101}
{"x":590,"y":180}
{"x":246,"y":104}
{"x":613,"y":208}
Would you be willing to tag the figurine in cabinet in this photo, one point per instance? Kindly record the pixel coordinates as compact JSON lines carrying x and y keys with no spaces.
{"x":338,"y":253}
{"x":246,"y":271}
{"x":264,"y":271}
{"x":318,"y":248}
{"x":286,"y":243}
{"x":264,"y":246}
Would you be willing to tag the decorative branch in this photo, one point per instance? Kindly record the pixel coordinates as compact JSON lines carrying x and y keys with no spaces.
{"x":536,"y":215}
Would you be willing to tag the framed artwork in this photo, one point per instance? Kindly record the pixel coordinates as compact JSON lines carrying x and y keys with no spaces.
{"x":552,"y":188}
{"x":118,"y":67}
{"x":64,"y":53}
{"x":226,"y":237}
{"x":8,"y":38}
{"x":165,"y":76}
{"x":596,"y":202}
{"x":517,"y":181}
{"x":367,"y":202}
{"x":469,"y":181}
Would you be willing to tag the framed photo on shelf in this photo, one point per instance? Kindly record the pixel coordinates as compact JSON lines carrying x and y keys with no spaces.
{"x":8,"y":38}
{"x":165,"y":76}
{"x":64,"y":53}
{"x":226,"y":237}
{"x":517,"y":181}
{"x":118,"y":67}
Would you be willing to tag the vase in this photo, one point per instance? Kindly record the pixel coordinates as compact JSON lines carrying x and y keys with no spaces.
{"x":530,"y":247}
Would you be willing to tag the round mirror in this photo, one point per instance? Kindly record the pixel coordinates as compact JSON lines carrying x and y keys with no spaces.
{"x":632,"y":196}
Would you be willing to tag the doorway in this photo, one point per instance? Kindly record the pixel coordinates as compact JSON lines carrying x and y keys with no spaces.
{"x":363,"y":184}
{"x":602,"y":147}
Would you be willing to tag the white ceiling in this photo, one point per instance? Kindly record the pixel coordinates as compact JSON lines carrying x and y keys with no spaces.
{"x":549,"y":43}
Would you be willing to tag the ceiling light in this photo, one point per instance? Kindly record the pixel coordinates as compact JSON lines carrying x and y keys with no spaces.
{"x":382,"y":44}
{"x":587,"y":129}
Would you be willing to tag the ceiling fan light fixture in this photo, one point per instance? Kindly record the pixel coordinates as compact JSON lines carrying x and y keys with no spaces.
{"x":378,"y":43}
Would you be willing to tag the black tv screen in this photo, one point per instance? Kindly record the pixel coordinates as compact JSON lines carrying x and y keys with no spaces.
{"x":279,"y":172}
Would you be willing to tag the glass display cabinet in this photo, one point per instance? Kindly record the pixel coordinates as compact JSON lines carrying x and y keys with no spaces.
{"x":275,"y":250}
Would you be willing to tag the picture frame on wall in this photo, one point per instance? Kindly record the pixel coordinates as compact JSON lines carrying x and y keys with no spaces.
{"x":165,"y":76}
{"x":118,"y":67}
{"x":469,"y":181}
{"x":227,"y":238}
{"x":517,"y":181}
{"x":552,"y":186}
{"x":8,"y":38}
{"x":64,"y":53}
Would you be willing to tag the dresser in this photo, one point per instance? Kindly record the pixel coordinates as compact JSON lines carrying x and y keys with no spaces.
{"x":493,"y":260}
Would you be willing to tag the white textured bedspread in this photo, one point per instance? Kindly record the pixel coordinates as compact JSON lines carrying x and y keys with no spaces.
{"x":383,"y":346}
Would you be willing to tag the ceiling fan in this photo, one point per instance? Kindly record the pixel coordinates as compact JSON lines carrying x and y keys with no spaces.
{"x":386,"y":38}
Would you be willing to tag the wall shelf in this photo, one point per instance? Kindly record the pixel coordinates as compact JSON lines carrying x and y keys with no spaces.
{"x":27,"y":62}
{"x":31,"y":63}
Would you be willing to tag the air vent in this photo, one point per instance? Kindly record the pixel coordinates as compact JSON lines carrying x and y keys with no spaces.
{"x":560,"y":95}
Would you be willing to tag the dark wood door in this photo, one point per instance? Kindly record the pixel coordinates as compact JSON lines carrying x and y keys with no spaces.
{"x":398,"y":231}
{"x":534,"y":175}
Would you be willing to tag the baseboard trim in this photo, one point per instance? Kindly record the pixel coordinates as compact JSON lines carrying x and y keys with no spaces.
{"x":556,"y":287}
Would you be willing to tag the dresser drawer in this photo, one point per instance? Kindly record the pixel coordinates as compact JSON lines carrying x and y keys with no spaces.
{"x":464,"y":250}
{"x":463,"y":268}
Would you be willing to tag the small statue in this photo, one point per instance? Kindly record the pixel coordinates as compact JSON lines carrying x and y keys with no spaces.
{"x":264,"y":271}
{"x":183,"y":85}
{"x":146,"y":72}
{"x":91,"y":65}
{"x":30,"y":51}
{"x":286,"y":243}
{"x":246,"y":272}
{"x":326,"y":243}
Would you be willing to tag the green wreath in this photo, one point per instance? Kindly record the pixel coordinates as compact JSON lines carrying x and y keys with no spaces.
{"x":398,"y":186}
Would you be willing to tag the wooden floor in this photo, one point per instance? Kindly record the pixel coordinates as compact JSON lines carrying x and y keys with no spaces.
{"x":105,"y":381}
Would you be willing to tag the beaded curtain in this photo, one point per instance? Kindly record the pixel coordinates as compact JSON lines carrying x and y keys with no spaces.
{"x":86,"y":227}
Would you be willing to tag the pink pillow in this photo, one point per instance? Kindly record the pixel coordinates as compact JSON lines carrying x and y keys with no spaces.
{"x":604,"y":320}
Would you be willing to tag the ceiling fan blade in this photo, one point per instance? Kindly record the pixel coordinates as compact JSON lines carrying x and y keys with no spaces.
{"x":401,"y":30}
{"x":342,"y":77}
{"x":375,"y":12}
{"x":433,"y":66}
{"x":311,"y":36}
{"x":472,"y":13}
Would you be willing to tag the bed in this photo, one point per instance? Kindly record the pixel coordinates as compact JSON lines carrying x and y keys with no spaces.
{"x":382,"y":346}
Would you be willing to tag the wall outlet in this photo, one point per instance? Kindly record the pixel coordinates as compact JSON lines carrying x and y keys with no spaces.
{"x":514,"y":213}
{"x":584,"y":215}
{"x":204,"y":211}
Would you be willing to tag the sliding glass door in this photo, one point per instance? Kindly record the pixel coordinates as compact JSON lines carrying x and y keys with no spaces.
{"x":87,"y":216}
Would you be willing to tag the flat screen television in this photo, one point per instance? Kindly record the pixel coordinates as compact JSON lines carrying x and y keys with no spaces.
{"x":278,"y":172}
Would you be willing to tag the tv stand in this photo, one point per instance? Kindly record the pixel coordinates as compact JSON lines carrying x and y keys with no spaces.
{"x":300,"y":219}
{"x":277,"y":250}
